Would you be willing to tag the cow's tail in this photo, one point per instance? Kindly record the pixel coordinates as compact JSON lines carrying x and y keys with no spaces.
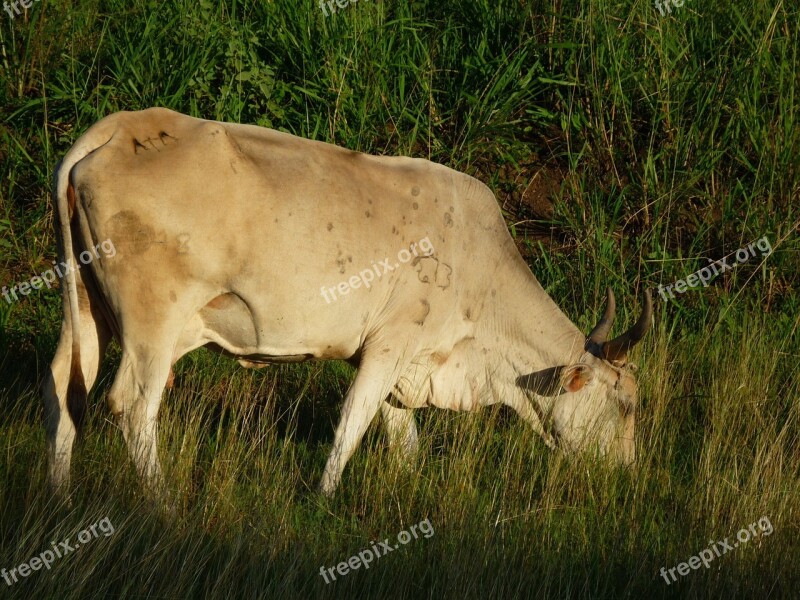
{"x":66,"y":208}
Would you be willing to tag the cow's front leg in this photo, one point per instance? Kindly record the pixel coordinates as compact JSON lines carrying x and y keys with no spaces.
{"x":373,"y":383}
{"x":401,"y":430}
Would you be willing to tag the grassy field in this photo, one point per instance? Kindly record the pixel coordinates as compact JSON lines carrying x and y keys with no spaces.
{"x":626,"y":148}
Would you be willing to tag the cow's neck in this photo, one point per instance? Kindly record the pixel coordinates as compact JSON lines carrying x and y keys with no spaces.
{"x":525,"y":335}
{"x":527,"y":330}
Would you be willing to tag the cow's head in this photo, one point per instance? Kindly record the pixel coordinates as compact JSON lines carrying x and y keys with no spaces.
{"x":594,"y":401}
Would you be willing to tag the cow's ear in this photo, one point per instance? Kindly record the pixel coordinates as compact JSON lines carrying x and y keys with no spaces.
{"x":574,"y":377}
{"x":546,"y":382}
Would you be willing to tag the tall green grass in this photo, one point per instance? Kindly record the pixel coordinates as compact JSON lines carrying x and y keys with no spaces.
{"x":668,"y":141}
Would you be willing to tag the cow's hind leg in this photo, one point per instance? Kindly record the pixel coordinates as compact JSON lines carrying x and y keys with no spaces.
{"x":401,"y":430}
{"x":64,"y":408}
{"x":135,"y":398}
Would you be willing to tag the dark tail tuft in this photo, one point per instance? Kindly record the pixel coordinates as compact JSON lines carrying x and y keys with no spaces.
{"x":76,"y":393}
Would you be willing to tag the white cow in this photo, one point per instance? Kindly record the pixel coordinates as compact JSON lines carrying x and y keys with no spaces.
{"x":258,"y":244}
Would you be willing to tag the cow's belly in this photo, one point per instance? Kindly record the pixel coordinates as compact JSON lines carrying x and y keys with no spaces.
{"x":227,"y":325}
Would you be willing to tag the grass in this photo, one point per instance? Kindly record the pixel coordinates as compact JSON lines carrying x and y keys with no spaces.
{"x":666,"y":142}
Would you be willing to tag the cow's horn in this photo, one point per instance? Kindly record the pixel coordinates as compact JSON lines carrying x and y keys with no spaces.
{"x":599,"y":334}
{"x":618,"y":348}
